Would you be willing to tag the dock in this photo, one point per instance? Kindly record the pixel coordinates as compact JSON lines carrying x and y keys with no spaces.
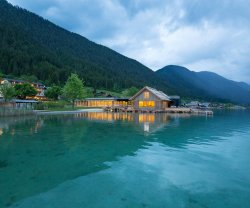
{"x":166,"y":110}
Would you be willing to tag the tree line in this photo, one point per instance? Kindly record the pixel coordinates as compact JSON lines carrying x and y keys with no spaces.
{"x":30,"y":45}
{"x":72,"y":90}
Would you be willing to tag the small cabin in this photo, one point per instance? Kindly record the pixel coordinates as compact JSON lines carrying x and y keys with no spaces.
{"x":150,"y":99}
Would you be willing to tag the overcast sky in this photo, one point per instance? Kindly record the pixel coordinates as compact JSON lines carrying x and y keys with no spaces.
{"x":203,"y":35}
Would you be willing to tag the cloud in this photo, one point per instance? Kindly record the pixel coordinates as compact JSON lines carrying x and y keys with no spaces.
{"x":201,"y":35}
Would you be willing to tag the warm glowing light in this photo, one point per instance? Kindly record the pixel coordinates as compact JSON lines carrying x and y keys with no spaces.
{"x":143,"y":104}
{"x":146,"y":118}
{"x":104,"y":116}
{"x":146,"y":95}
{"x":102,"y":103}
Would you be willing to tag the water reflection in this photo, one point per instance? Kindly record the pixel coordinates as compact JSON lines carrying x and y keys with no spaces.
{"x":146,"y":122}
{"x":39,"y":153}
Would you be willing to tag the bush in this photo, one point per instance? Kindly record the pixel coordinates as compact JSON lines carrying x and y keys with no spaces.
{"x":54,"y":104}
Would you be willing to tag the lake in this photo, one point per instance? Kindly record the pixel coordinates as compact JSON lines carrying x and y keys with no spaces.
{"x":125,"y":160}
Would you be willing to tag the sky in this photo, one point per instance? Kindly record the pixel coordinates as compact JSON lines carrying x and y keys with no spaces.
{"x":202,"y":35}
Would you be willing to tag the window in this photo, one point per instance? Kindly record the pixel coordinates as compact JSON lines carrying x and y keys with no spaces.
{"x":146,"y":95}
{"x":150,"y":104}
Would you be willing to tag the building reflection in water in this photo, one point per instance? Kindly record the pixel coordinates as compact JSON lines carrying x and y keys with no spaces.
{"x":148,"y":122}
{"x":12,"y":125}
{"x":104,"y":116}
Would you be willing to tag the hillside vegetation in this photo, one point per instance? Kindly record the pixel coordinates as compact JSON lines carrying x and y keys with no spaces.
{"x":34,"y":46}
{"x":37,"y":49}
{"x":206,"y":85}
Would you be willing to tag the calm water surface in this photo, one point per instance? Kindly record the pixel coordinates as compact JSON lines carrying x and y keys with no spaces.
{"x":118,"y":160}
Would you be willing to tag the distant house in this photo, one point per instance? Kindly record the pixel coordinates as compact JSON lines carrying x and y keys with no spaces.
{"x":196,"y":104}
{"x":24,"y":104}
{"x":150,"y":99}
{"x":205,"y":105}
{"x":40,"y":88}
{"x":17,"y":103}
{"x":193,"y":104}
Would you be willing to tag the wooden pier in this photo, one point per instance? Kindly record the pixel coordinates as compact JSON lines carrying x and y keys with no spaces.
{"x":167,"y":110}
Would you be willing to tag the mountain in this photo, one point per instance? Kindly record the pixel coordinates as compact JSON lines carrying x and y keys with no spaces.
{"x":244,"y":85}
{"x":31,"y":45}
{"x":205,"y":85}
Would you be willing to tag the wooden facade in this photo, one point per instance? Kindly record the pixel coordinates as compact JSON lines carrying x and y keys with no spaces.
{"x":150,"y":99}
{"x":104,"y":102}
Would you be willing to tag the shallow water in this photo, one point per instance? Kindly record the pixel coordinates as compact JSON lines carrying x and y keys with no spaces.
{"x":124,"y":160}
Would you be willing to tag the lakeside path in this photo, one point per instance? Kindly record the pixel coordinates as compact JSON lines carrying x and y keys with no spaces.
{"x":68,"y":112}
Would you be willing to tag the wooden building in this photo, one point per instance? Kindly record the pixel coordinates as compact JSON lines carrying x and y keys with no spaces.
{"x":103,"y":102}
{"x":146,"y":99}
{"x":150,"y":99}
{"x":19,"y":104}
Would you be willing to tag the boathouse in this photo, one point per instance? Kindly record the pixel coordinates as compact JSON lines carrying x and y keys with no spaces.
{"x":150,"y":99}
{"x":146,"y":99}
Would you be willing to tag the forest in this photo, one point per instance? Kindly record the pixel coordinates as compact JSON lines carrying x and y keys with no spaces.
{"x":34,"y":49}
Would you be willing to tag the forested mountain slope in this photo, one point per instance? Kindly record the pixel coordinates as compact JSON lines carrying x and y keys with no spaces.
{"x":31,"y":45}
{"x":206,"y":85}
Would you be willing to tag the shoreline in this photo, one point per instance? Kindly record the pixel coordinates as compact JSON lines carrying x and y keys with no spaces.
{"x":61,"y":112}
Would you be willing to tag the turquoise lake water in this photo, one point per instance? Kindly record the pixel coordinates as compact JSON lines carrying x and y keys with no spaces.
{"x":124,"y":160}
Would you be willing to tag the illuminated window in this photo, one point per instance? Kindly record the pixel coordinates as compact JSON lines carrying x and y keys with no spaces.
{"x":150,"y":104}
{"x":146,"y":95}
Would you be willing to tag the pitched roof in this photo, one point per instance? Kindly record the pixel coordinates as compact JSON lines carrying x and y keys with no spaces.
{"x":101,"y":98}
{"x":161,"y":95}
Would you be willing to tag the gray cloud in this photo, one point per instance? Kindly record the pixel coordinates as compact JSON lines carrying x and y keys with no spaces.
{"x":202,"y":35}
